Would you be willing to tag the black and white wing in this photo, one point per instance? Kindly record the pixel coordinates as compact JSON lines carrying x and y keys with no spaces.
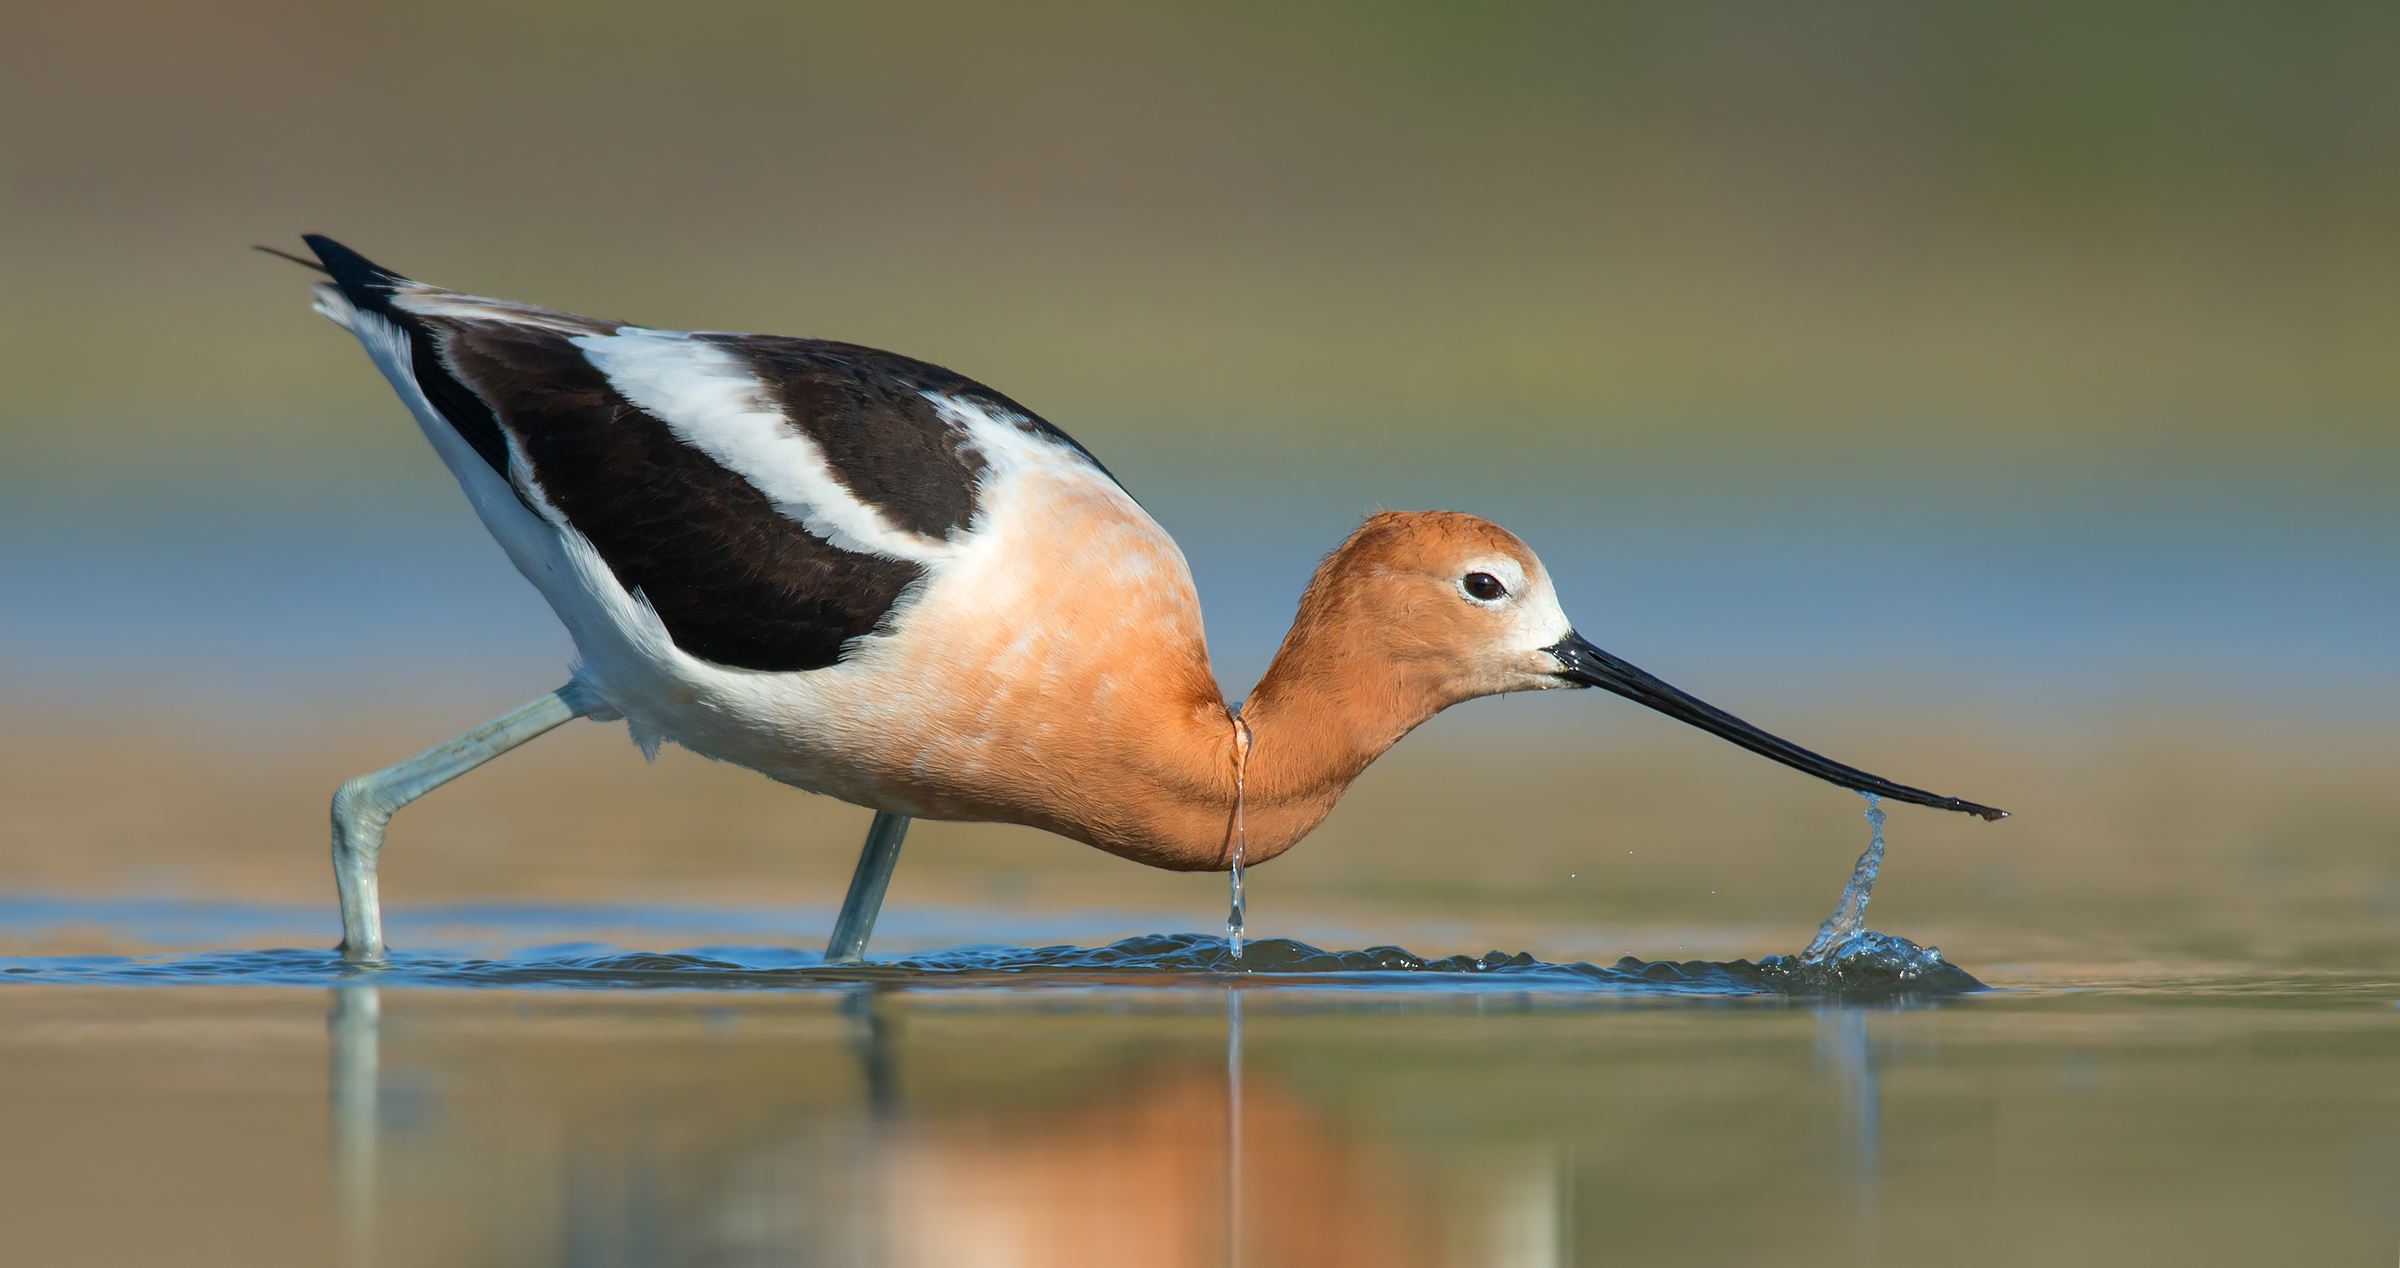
{"x":771,"y":498}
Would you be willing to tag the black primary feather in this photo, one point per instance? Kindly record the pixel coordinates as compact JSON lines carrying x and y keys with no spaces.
{"x":369,"y":287}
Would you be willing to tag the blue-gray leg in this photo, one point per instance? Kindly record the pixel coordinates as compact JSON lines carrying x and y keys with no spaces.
{"x":865,"y":899}
{"x":364,"y":806}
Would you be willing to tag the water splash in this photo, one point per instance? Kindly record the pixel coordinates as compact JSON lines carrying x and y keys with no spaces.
{"x":1847,"y":958}
{"x":1849,"y":917}
{"x":1237,"y":915}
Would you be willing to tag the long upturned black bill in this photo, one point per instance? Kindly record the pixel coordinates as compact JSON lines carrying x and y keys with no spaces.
{"x":1588,"y":666}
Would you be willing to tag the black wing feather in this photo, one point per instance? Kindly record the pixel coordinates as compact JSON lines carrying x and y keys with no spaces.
{"x":734,"y":580}
{"x":867,"y":411}
{"x":369,"y":287}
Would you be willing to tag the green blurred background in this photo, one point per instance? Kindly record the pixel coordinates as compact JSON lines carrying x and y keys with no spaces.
{"x":2002,"y":398}
{"x":1966,"y":231}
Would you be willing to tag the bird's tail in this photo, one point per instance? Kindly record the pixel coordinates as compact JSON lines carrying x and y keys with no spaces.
{"x":358,"y":285}
{"x":385,"y":311}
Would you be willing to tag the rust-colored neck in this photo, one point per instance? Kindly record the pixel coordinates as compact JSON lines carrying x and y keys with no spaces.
{"x":1236,"y":829}
{"x":1168,"y":775}
{"x":1352,"y":677}
{"x":1181,"y":787}
{"x":1333,"y":701}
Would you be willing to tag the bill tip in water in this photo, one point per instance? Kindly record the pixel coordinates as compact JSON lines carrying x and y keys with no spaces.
{"x":1989,"y":814}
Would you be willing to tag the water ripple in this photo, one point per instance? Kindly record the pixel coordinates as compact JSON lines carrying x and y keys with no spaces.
{"x":1872,"y":965}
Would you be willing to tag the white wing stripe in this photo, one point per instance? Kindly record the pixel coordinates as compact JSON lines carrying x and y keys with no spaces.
{"x":433,"y":301}
{"x":713,"y":401}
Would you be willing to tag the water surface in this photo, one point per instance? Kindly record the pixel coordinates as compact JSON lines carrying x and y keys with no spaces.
{"x":883,"y":1124}
{"x":1150,"y":1101}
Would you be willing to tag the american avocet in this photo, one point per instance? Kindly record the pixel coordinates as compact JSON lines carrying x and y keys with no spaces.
{"x":872,"y":578}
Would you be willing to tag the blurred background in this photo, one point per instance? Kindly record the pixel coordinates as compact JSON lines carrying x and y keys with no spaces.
{"x":2003,"y":399}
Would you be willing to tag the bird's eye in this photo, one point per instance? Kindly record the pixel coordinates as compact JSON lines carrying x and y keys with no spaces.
{"x":1484,"y":586}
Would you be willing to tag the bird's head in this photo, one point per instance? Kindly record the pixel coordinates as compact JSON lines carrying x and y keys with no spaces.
{"x":1431,"y":608}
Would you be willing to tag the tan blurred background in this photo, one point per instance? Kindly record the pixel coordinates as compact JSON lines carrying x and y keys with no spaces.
{"x":2002,"y":399}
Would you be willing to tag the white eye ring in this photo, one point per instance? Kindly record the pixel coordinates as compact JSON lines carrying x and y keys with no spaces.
{"x":1483,"y":587}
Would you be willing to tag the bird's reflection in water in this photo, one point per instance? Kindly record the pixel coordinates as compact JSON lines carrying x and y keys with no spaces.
{"x":1159,"y":1155}
{"x":1139,"y":1175}
{"x":1163,"y":1162}
{"x":353,"y":1028}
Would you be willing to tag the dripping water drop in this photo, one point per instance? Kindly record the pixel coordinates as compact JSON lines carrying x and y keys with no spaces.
{"x":1237,"y":914}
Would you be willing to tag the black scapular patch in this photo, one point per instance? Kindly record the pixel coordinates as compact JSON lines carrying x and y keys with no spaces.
{"x":734,"y":580}
{"x":867,"y":411}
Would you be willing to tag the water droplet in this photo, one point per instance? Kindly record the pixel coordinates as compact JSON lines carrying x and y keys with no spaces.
{"x":1237,"y":915}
